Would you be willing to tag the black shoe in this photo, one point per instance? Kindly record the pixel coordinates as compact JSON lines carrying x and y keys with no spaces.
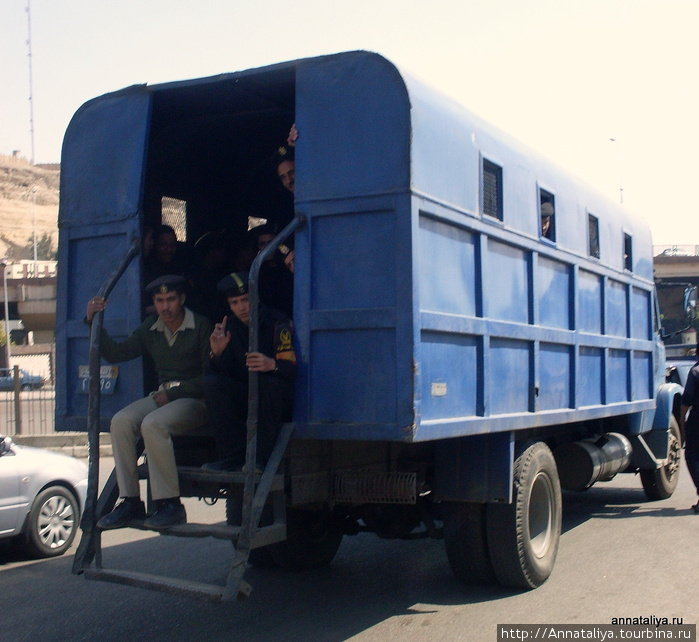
{"x":168,"y":512}
{"x":130,"y":508}
{"x":229,"y":464}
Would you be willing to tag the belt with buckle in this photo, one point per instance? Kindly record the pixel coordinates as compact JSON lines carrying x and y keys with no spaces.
{"x":168,"y":385}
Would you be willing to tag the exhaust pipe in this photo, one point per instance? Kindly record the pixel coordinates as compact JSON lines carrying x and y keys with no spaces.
{"x":582,"y":463}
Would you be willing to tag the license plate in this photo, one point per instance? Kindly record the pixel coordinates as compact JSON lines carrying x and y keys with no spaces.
{"x":108,"y":379}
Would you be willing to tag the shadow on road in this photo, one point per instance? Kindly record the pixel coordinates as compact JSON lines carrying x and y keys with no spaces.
{"x":369,"y":582}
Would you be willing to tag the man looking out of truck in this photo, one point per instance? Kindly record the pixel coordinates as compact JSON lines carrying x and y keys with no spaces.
{"x":226,"y":383}
{"x":177,"y":340}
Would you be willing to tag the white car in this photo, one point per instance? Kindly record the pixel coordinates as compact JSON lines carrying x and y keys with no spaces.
{"x":42,"y":495}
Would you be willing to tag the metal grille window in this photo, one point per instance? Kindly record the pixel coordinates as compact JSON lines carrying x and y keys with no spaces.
{"x":491,"y":189}
{"x":593,"y":236}
{"x":174,"y":214}
{"x":628,"y":257}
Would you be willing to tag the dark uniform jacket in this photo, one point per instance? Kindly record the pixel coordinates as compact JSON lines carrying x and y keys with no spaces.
{"x":690,"y":397}
{"x":275,"y":341}
{"x":183,"y":361}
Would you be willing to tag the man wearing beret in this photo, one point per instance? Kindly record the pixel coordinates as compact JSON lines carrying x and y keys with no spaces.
{"x":177,"y":340}
{"x":226,"y":382}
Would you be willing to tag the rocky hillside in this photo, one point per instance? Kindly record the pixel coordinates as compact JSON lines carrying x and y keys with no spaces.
{"x":28,"y":197}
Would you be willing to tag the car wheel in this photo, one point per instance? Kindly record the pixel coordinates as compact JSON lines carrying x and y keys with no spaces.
{"x":52,"y":522}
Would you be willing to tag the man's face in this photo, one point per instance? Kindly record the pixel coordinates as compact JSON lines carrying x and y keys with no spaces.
{"x":165,"y":247}
{"x":240,"y":307}
{"x":263,"y":240}
{"x":286,"y":173}
{"x":169,"y":305}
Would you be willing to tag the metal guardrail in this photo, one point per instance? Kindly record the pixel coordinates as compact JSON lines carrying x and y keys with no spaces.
{"x":27,"y":412}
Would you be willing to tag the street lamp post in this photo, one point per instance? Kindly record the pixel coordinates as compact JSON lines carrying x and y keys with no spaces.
{"x":7,"y":311}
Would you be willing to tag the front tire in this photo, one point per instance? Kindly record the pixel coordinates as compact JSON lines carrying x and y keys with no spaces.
{"x":52,"y":522}
{"x":662,"y":482}
{"x":523,"y":536}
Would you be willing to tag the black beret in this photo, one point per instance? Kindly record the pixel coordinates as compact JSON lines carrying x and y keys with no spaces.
{"x":233,"y":284}
{"x":166,"y":283}
{"x":282,"y":154}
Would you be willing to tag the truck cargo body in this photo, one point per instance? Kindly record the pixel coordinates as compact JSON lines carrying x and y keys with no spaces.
{"x":456,"y":297}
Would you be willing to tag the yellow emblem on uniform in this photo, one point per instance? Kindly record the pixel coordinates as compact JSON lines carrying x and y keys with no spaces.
{"x":163,"y":289}
{"x":284,"y":340}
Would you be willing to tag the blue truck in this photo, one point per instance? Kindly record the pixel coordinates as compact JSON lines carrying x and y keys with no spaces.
{"x":475,"y":329}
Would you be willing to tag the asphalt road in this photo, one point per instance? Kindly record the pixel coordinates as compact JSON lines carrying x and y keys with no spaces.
{"x":620,"y":556}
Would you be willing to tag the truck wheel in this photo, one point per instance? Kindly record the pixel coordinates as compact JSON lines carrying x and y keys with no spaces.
{"x":52,"y":522}
{"x":523,"y":536}
{"x":312,"y":540}
{"x":465,"y":542}
{"x":661,"y":482}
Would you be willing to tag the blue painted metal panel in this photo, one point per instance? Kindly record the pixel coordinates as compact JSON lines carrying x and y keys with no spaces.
{"x":617,"y":309}
{"x":642,"y":364}
{"x":349,"y":369}
{"x":450,"y":375}
{"x":102,"y":161}
{"x":506,"y":295}
{"x":555,"y":376}
{"x":450,"y":283}
{"x":617,"y":376}
{"x":354,"y":112}
{"x":554,"y":293}
{"x":355,"y":275}
{"x":591,"y":377}
{"x":590,"y":302}
{"x":509,"y":382}
{"x":102,"y":175}
{"x":641,"y":314}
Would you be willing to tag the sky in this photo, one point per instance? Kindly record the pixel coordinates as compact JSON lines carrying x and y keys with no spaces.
{"x":608,"y":89}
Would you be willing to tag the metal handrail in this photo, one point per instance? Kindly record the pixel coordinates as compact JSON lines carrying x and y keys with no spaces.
{"x":88,"y":542}
{"x":251,"y":517}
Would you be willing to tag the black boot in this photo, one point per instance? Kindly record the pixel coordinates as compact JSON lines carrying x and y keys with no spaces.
{"x":168,"y":512}
{"x":129,"y":509}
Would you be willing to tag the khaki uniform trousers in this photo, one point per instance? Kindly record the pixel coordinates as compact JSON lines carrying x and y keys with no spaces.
{"x":143,"y":418}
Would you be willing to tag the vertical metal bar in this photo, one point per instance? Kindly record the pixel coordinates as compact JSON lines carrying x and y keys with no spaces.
{"x":90,"y":541}
{"x":18,"y":404}
{"x":249,"y":516}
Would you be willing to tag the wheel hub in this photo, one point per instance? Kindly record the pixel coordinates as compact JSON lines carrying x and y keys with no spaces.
{"x":541,"y":515}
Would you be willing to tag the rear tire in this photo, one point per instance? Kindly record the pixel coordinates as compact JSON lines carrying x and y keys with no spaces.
{"x":662,"y":482}
{"x":52,"y":522}
{"x":523,"y":536}
{"x":466,"y":544}
{"x":312,"y":540}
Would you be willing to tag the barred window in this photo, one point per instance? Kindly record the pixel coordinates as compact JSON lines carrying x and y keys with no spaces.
{"x":628,"y":257}
{"x":491,"y":190}
{"x":174,"y":214}
{"x":593,"y":236}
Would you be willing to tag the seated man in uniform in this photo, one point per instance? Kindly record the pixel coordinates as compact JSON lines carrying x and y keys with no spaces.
{"x":177,"y":340}
{"x":226,"y":382}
